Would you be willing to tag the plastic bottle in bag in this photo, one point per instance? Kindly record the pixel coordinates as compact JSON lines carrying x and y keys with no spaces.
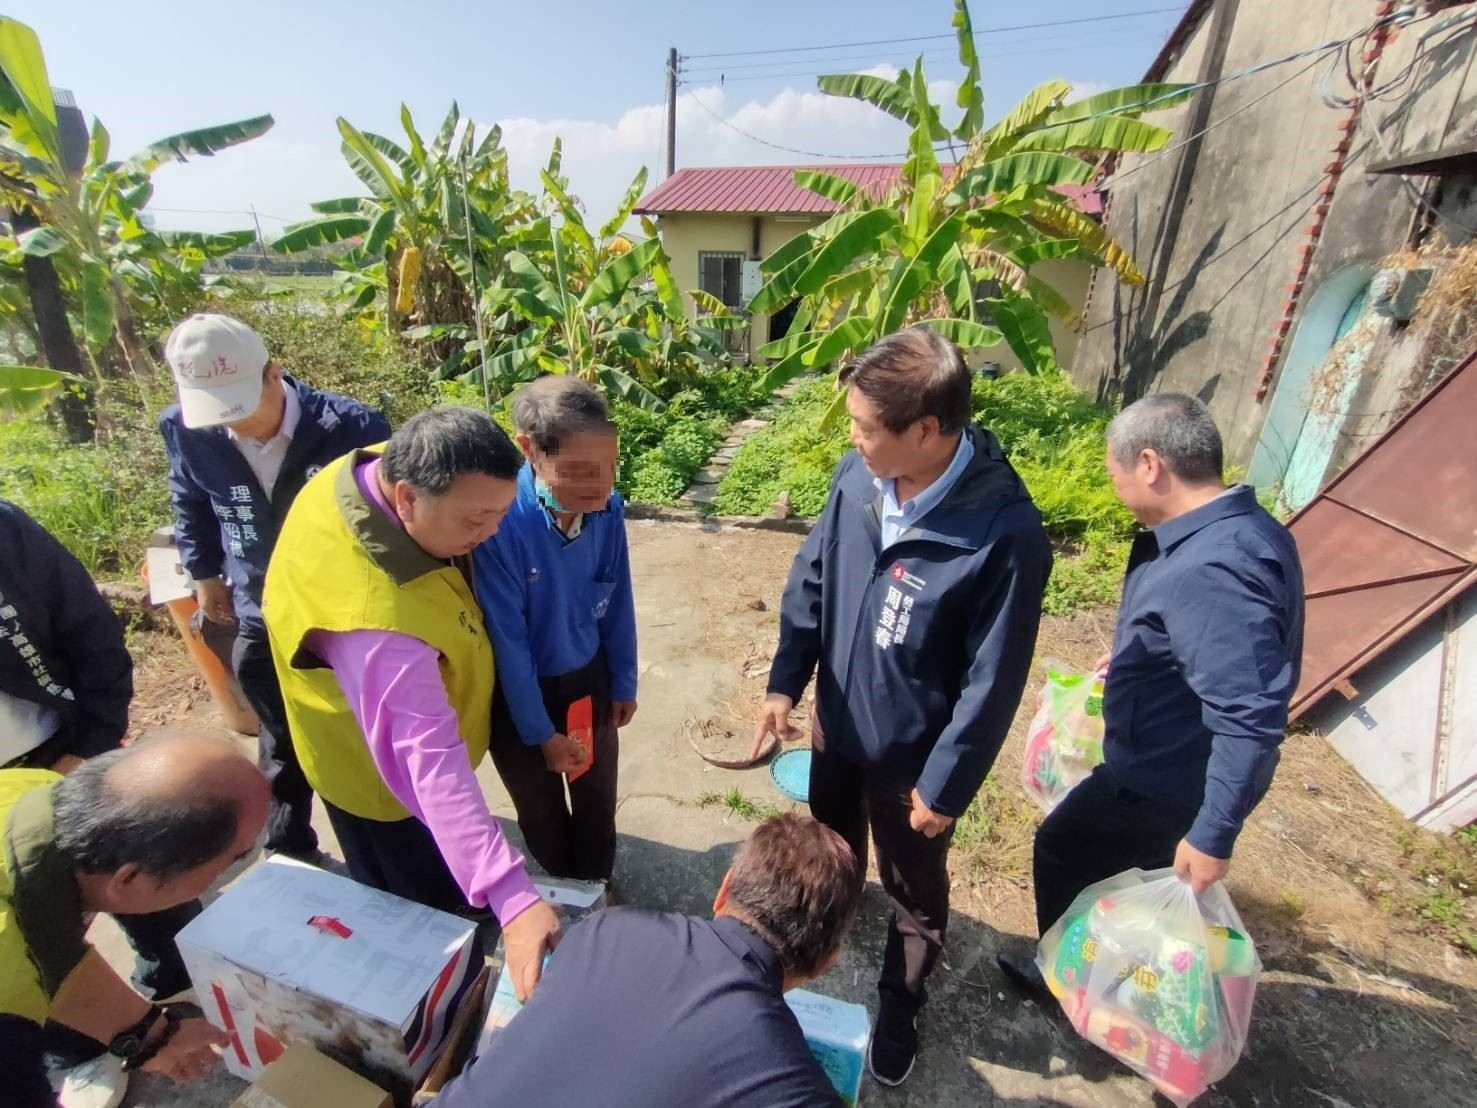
{"x":1160,"y":978}
{"x":1065,"y":741}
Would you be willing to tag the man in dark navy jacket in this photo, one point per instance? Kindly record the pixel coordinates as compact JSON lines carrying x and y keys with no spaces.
{"x":917,"y":597}
{"x":1205,"y":659}
{"x":638,"y":1009}
{"x":242,"y":441}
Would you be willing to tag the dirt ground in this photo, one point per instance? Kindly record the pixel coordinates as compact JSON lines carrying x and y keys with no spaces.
{"x":1356,"y":1006}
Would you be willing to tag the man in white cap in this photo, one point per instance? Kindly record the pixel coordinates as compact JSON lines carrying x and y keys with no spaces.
{"x":242,"y":441}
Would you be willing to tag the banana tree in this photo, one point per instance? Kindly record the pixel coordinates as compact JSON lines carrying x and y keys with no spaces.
{"x":955,"y":246}
{"x":414,"y":246}
{"x":89,"y":224}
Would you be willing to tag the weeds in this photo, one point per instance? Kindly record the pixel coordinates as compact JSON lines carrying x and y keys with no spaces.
{"x":736,"y":802}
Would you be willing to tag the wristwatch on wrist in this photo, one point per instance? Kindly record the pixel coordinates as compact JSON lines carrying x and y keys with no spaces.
{"x":129,"y":1042}
{"x":133,"y":1045}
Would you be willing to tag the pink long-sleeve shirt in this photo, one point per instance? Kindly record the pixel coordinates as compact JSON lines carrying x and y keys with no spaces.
{"x":394,"y":688}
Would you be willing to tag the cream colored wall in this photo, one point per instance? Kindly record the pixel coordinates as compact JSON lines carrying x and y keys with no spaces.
{"x":685,"y":234}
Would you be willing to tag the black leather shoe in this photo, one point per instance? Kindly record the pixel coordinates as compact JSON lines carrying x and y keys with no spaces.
{"x":894,"y":1046}
{"x":1023,"y":974}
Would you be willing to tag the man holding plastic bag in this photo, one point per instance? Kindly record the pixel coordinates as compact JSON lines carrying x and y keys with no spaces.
{"x":1205,"y":658}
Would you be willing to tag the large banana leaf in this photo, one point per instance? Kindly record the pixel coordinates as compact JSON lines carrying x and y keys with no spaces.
{"x":24,"y":67}
{"x":99,"y":142}
{"x":861,"y":235}
{"x":344,"y":205}
{"x":1051,"y":301}
{"x":1108,"y":132}
{"x":97,"y":305}
{"x":417,"y":147}
{"x":910,"y":279}
{"x":847,"y":335}
{"x":213,"y":244}
{"x":1066,"y":220}
{"x":1130,"y":101}
{"x":965,"y":333}
{"x":379,"y":233}
{"x":958,"y":282}
{"x":663,"y":278}
{"x":619,"y":272}
{"x":203,"y":143}
{"x":893,"y":97}
{"x":25,"y":388}
{"x":1026,"y":330}
{"x":527,"y":276}
{"x":790,"y":366}
{"x":969,"y":96}
{"x":370,"y":166}
{"x":1000,"y":175}
{"x":629,"y":389}
{"x":1035,"y":106}
{"x":41,"y":242}
{"x":613,"y":225}
{"x":1044,"y":250}
{"x":836,"y":189}
{"x":392,"y":150}
{"x":442,"y":142}
{"x":574,"y":220}
{"x":784,"y":347}
{"x":921,"y":170}
{"x":319,"y":232}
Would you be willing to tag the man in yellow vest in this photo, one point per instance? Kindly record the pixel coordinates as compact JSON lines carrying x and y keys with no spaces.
{"x":386,"y":668}
{"x":139,"y":829}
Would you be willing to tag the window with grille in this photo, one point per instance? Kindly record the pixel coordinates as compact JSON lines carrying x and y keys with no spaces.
{"x":720,"y":273}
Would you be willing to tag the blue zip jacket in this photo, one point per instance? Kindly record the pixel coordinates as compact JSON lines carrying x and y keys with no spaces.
{"x":1206,"y":656}
{"x":923,"y":649}
{"x":224,"y":522}
{"x":551,"y":604}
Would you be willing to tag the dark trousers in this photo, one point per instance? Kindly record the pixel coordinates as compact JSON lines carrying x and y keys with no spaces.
{"x":575,"y":837}
{"x":159,"y":969}
{"x":1096,"y":832}
{"x":397,"y":856}
{"x":847,"y":798}
{"x":289,"y":826}
{"x":22,"y":1063}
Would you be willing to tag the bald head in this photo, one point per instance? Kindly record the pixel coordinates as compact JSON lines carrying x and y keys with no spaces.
{"x":159,"y":818}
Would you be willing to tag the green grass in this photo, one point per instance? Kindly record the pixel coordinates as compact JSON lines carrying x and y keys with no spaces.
{"x":736,"y":802}
{"x":301,"y":282}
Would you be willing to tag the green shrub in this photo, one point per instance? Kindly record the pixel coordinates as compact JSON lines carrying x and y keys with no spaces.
{"x":1051,"y":432}
{"x":101,"y":500}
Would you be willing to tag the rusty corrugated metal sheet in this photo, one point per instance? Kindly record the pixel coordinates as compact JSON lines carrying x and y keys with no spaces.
{"x":1392,"y":539}
{"x":771,"y":190}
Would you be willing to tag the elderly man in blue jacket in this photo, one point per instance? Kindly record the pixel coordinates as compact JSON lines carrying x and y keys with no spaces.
{"x":242,"y":441}
{"x":1205,"y":659}
{"x":916,"y":598}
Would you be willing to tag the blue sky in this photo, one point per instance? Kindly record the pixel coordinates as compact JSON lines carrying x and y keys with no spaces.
{"x":591,"y":72}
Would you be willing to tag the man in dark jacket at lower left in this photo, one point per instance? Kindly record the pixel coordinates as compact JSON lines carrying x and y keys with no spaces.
{"x":66,"y":679}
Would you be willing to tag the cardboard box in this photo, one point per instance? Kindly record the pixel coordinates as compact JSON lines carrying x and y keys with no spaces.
{"x":293,"y":954}
{"x":837,"y":1033}
{"x":304,"y":1078}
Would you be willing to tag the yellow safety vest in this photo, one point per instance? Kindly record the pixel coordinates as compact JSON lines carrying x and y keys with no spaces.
{"x":341,"y":565}
{"x":21,"y":989}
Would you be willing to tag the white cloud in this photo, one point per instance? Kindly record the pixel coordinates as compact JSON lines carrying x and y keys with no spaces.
{"x":1081,"y":90}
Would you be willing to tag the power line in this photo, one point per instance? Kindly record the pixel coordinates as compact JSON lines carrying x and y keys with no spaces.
{"x":788,"y":149}
{"x":218,"y":211}
{"x":1003,"y":49}
{"x":930,"y":38}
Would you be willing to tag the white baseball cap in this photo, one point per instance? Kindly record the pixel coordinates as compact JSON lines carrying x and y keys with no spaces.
{"x":218,"y":364}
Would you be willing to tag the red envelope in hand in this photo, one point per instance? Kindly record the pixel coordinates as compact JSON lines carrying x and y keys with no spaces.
{"x":580,"y":726}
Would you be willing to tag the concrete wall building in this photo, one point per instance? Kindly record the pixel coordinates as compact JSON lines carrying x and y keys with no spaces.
{"x":1262,"y":226}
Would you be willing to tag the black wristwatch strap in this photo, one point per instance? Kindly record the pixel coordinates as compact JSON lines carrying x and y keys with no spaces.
{"x":128,"y":1042}
{"x":149,"y":1049}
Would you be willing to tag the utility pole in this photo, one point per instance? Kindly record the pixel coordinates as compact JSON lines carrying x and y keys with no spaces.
{"x":261,"y":241}
{"x":671,"y":111}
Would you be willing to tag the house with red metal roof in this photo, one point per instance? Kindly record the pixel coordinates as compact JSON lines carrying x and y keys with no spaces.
{"x":718,"y":223}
